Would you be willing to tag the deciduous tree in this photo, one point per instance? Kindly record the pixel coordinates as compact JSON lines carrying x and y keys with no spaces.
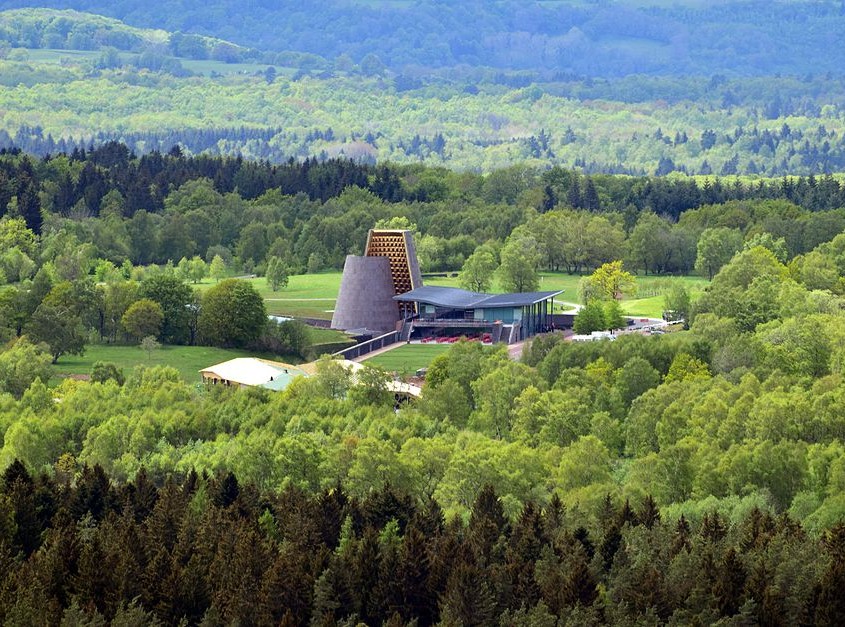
{"x":232,"y":314}
{"x":477,"y":272}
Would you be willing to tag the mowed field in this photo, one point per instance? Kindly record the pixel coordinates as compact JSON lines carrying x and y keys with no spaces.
{"x":407,"y":359}
{"x":188,"y":360}
{"x":306,"y":295}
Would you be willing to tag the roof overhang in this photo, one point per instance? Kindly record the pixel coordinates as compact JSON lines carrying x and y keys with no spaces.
{"x":456,"y":298}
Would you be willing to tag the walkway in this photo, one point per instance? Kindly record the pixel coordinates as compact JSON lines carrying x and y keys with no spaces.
{"x":515,"y":350}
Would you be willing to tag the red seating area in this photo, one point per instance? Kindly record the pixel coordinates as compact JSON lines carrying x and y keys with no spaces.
{"x":485,"y":338}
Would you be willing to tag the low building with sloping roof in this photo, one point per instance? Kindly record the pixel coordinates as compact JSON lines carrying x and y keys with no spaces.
{"x":252,"y":372}
{"x":275,"y":375}
{"x":506,"y":317}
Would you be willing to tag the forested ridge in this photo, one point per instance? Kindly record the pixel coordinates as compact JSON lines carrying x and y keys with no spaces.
{"x":594,"y":39}
{"x":470,"y":121}
{"x":75,"y":78}
{"x":159,"y":207}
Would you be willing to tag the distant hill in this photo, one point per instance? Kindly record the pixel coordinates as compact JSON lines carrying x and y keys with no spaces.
{"x":606,"y":38}
{"x":75,"y":30}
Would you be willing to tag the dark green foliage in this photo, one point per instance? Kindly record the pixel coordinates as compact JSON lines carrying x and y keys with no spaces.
{"x":139,"y":555}
{"x":103,"y":371}
{"x":232,"y":314}
{"x":59,"y":328}
{"x":174,"y":296}
{"x":291,"y":337}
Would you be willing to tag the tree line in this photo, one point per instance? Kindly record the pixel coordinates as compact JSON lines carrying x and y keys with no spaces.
{"x":310,"y":214}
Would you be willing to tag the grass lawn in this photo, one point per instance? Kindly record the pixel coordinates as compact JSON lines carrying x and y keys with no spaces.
{"x":324,"y":336}
{"x":188,"y":360}
{"x":306,"y":295}
{"x":409,"y":358}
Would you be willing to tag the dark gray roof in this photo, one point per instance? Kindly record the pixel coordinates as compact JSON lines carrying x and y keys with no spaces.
{"x":462,"y":299}
{"x":520,"y":299}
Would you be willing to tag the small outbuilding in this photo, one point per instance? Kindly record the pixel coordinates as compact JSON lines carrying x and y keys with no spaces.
{"x":275,"y":375}
{"x":251,"y":372}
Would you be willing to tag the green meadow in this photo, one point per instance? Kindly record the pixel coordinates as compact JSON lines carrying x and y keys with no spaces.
{"x":188,"y":360}
{"x":407,"y":359}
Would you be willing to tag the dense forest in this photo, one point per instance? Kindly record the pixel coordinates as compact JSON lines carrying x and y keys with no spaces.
{"x":162,"y":207}
{"x":76,"y":78}
{"x":215,"y":551}
{"x":587,"y":38}
{"x":741,"y":410}
{"x":469,"y":121}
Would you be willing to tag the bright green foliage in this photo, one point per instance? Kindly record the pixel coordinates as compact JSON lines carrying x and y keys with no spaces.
{"x":495,"y":397}
{"x":477,"y":272}
{"x":590,"y":317}
{"x":15,"y":234}
{"x":777,"y":245}
{"x":586,"y":461}
{"x":614,"y":317}
{"x":746,"y":289}
{"x":333,"y":380}
{"x":149,"y":345}
{"x":370,"y":386}
{"x":15,"y":265}
{"x":142,"y":318}
{"x":609,"y":282}
{"x":716,"y":247}
{"x":197,"y":269}
{"x":105,"y":371}
{"x":276,"y":273}
{"x":217,"y":268}
{"x":685,"y":367}
{"x":520,"y":257}
{"x":232,"y":314}
{"x":634,"y":378}
{"x":21,"y":364}
{"x":677,"y":304}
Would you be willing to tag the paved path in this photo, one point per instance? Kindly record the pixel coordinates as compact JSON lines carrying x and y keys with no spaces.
{"x":515,"y":350}
{"x":286,"y":299}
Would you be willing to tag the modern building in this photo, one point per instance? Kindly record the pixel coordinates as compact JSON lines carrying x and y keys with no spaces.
{"x":383,"y":292}
{"x":447,"y":311}
{"x":388,"y":267}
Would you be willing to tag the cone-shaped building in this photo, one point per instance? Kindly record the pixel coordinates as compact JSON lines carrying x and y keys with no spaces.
{"x":365,"y":300}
